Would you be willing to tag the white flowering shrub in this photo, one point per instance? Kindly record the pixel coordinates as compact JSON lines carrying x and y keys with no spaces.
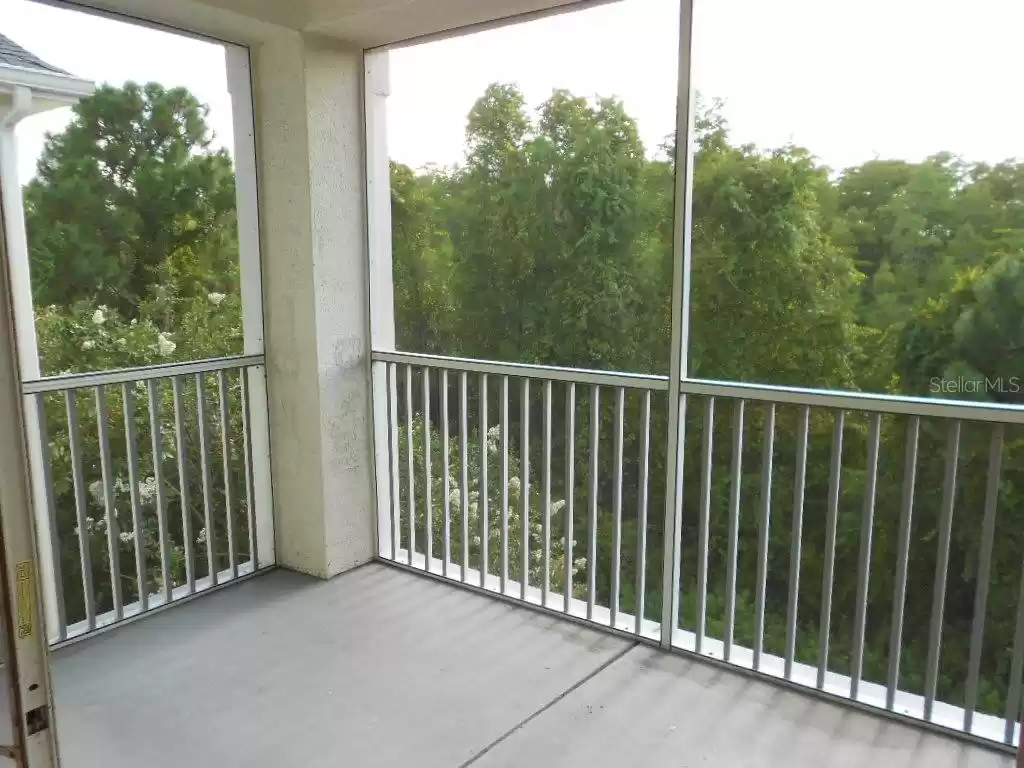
{"x":168,"y":328}
{"x":474,"y":512}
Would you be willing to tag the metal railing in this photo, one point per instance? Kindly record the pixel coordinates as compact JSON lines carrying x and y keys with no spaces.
{"x":842,"y":542}
{"x":146,"y":487}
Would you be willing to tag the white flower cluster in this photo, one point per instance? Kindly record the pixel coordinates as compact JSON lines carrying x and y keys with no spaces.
{"x":93,"y":526}
{"x":164,"y":345}
{"x":88,"y":344}
{"x":126,"y":537}
{"x":493,"y":434}
{"x":216,"y":298}
{"x":98,"y":317}
{"x":201,"y":538}
{"x":147,"y":490}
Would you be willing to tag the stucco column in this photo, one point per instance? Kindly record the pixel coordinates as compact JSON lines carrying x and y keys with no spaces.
{"x":308,"y":107}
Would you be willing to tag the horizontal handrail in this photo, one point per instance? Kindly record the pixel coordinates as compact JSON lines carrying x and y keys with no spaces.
{"x":823,"y":398}
{"x":142,"y":373}
{"x":527,"y":370}
{"x":857,"y":401}
{"x":114,"y":437}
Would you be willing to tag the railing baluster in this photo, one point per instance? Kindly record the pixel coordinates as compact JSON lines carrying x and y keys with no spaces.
{"x":524,"y":487}
{"x":546,"y":511}
{"x":570,"y":485}
{"x":485,"y":523}
{"x":464,"y":469}
{"x":931,"y":679}
{"x":503,"y":426}
{"x":128,"y":397}
{"x":671,"y":571}
{"x":767,"y":460}
{"x":250,"y":483}
{"x":988,"y":534}
{"x":796,"y":541}
{"x":204,"y":465}
{"x":157,"y":445}
{"x":620,"y":417}
{"x":641,"y":523}
{"x":902,"y":560}
{"x":409,"y":466}
{"x":734,"y":526}
{"x":181,"y":446}
{"x":46,"y":460}
{"x":835,"y":477}
{"x":393,"y":461}
{"x":78,"y":481}
{"x":113,"y":539}
{"x":595,"y":427}
{"x":428,"y":501}
{"x":225,"y":445}
{"x":1013,"y":693}
{"x":864,"y":561}
{"x":707,"y":451}
{"x":446,"y":545}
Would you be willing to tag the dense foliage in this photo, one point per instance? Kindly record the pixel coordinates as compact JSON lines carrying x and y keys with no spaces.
{"x":552,"y":243}
{"x":134,"y":259}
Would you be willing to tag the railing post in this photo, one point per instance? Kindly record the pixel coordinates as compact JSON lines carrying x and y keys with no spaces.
{"x":679,"y":338}
{"x":376,"y":88}
{"x":28,"y":354}
{"x":247,"y":204}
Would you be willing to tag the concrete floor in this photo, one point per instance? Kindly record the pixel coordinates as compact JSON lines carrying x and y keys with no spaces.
{"x":383,"y":668}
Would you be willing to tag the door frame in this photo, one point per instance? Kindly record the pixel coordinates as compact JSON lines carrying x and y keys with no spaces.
{"x":26,"y":651}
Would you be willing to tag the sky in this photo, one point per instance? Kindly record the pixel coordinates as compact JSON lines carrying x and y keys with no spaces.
{"x":107,"y":51}
{"x":850,"y":80}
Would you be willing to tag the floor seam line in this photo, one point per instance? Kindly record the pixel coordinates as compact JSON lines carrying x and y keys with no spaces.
{"x":526,"y":720}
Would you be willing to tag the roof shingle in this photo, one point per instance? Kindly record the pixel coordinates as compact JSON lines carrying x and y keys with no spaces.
{"x":13,"y":55}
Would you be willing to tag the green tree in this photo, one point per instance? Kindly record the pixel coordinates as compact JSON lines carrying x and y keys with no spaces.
{"x":131,"y":182}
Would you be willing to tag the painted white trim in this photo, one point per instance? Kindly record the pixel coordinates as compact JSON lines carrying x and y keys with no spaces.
{"x":26,"y":638}
{"x":246,"y":196}
{"x":239,"y":75}
{"x":377,"y":88}
{"x":380,"y":275}
{"x":52,"y":85}
{"x":679,"y":334}
{"x":23,"y":313}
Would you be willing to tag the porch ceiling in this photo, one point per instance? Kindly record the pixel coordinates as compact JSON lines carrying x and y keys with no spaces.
{"x":366,"y":23}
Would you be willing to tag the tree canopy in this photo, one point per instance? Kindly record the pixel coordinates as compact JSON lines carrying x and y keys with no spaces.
{"x":552,"y":243}
{"x":126,"y":196}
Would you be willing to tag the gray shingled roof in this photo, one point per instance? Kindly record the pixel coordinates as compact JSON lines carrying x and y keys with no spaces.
{"x":13,"y":55}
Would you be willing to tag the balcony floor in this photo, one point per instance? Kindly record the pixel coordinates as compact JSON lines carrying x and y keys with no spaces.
{"x":380,"y":667}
